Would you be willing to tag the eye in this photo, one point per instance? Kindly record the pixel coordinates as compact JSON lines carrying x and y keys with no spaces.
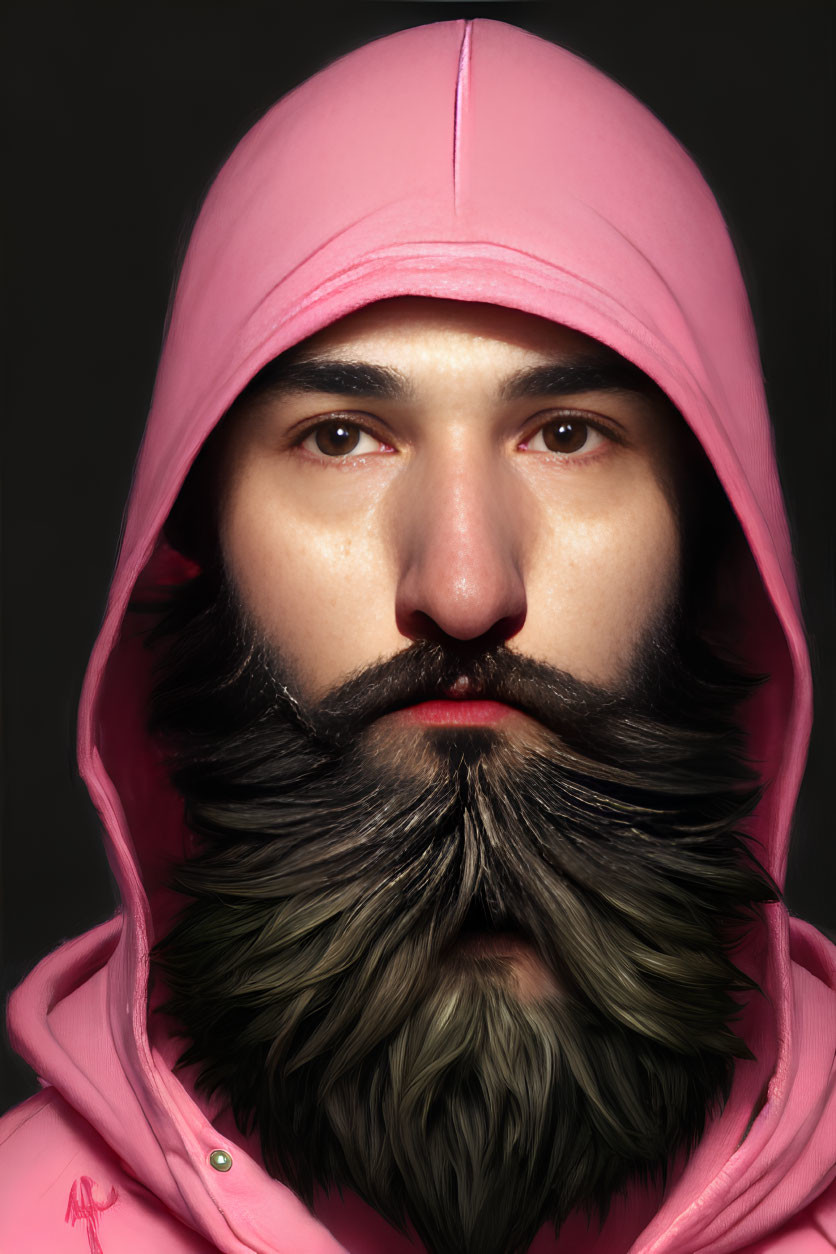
{"x":339,"y":438}
{"x":566,"y":435}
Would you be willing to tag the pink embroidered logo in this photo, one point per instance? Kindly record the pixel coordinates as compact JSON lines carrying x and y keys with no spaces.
{"x":83,"y":1205}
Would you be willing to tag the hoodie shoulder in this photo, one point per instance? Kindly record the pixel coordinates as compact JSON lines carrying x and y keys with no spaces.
{"x":813,"y":1231}
{"x":57,"y":1175}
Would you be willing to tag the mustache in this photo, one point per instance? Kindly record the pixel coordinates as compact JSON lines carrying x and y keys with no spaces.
{"x":669,"y":721}
{"x":670,"y":726}
{"x":428,"y":671}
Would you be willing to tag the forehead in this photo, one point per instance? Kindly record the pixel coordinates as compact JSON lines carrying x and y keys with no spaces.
{"x":396,"y":349}
{"x":428,"y":329}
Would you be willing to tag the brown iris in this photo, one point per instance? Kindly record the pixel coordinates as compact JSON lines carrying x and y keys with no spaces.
{"x":337,"y":438}
{"x":565,"y":435}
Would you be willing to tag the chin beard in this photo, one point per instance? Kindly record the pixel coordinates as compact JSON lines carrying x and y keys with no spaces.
{"x":321,"y":972}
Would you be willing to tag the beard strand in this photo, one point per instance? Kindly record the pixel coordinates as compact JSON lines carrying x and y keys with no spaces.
{"x":317,"y":971}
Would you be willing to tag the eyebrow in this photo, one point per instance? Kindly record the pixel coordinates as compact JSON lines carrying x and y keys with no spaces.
{"x":604,"y":372}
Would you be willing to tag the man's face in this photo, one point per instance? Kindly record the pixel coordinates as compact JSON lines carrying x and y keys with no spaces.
{"x":482,"y":995}
{"x":479,"y":975}
{"x":464,"y":502}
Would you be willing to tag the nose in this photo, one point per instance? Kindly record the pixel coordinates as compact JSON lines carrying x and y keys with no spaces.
{"x":460,"y":535}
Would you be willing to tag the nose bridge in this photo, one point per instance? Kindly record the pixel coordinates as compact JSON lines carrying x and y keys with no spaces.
{"x":461,"y":560}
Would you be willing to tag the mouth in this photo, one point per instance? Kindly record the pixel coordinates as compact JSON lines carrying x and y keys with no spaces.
{"x":456,"y":712}
{"x":461,"y":704}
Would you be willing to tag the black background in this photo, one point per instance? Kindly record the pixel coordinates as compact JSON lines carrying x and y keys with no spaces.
{"x":118,"y":117}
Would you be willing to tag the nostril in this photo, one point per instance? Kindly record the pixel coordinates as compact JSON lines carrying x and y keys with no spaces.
{"x":421,"y":626}
{"x":504,"y":629}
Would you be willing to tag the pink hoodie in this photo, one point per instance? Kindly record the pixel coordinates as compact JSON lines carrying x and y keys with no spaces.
{"x":466,"y":160}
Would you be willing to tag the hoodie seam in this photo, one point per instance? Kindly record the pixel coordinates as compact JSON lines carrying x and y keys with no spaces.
{"x":462,"y":92}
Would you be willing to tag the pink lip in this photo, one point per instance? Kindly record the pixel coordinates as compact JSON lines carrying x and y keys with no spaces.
{"x":470,"y":713}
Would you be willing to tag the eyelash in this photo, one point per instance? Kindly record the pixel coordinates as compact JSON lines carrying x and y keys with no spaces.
{"x":350,"y":420}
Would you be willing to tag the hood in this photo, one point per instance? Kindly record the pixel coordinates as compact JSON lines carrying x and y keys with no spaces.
{"x":472,"y":161}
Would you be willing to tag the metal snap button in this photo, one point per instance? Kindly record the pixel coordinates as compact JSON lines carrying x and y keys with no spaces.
{"x":220,"y":1160}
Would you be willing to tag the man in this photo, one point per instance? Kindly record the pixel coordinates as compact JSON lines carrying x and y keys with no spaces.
{"x":448,"y":713}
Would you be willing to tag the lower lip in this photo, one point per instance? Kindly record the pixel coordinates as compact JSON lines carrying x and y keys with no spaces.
{"x":458,"y":713}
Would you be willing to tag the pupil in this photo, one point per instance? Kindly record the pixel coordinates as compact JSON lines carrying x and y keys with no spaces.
{"x":565,"y":437}
{"x":337,"y":438}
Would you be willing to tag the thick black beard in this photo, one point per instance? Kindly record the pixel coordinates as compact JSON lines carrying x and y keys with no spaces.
{"x":315,"y":971}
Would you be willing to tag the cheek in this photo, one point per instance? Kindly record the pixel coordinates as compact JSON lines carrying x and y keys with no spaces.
{"x":316,"y":571}
{"x":605,"y":575}
{"x":315,"y":586}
